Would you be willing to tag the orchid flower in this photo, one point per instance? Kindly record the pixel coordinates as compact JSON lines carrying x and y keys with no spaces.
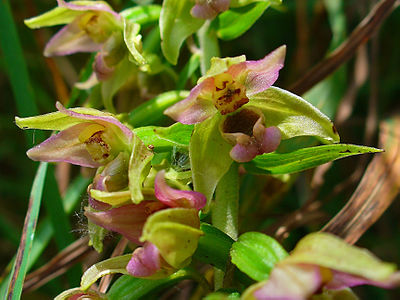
{"x":255,"y":115}
{"x":151,"y":224}
{"x":88,"y":137}
{"x":209,"y":9}
{"x":91,"y":26}
{"x":322,"y":262}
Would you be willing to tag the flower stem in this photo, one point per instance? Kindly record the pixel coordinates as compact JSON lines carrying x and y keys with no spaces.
{"x":225,"y":211}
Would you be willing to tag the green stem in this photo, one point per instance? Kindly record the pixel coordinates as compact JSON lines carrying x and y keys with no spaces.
{"x":209,"y":46}
{"x":225,"y":211}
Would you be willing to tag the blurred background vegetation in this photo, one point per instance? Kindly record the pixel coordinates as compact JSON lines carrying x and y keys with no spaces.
{"x":359,"y":95}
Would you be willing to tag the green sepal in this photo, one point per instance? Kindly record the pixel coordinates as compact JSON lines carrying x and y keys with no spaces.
{"x":209,"y":156}
{"x":256,"y":254}
{"x":96,"y":234}
{"x":60,"y":15}
{"x":176,"y":24}
{"x":329,"y":251}
{"x":66,"y":295}
{"x":303,"y":159}
{"x":175,"y":232}
{"x":221,"y":65}
{"x":139,"y":168}
{"x":133,"y":41}
{"x":109,"y":266}
{"x":293,"y":115}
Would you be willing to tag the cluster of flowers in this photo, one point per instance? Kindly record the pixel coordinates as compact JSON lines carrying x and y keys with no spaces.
{"x":131,"y":196}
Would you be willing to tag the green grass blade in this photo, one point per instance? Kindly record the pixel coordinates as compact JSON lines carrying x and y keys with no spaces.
{"x":45,"y":231}
{"x":15,"y":65}
{"x":21,"y":262}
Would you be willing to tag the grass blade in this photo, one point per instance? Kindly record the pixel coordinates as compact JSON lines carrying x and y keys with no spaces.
{"x":21,"y":262}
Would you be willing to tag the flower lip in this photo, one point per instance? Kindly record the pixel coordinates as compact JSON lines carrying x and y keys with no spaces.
{"x":242,"y":121}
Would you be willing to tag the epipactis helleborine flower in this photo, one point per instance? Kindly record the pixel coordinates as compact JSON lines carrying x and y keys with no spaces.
{"x":227,"y":86}
{"x":319,"y":262}
{"x":176,"y":212}
{"x":89,"y":25}
{"x":209,"y":9}
{"x":88,"y":137}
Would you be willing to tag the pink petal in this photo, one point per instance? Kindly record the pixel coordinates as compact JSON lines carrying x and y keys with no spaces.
{"x":98,"y":184}
{"x":70,"y":39}
{"x":263,"y":73}
{"x":194,"y":108}
{"x":290,"y":282}
{"x":244,"y":153}
{"x":145,"y":261}
{"x":177,"y":198}
{"x":95,"y":5}
{"x":103,"y":72}
{"x":209,"y":10}
{"x":103,"y":119}
{"x":64,"y":146}
{"x":268,"y":138}
{"x":127,"y":220}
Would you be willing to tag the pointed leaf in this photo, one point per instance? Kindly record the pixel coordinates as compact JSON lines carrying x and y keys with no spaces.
{"x":303,"y":159}
{"x":209,"y":156}
{"x":256,"y":254}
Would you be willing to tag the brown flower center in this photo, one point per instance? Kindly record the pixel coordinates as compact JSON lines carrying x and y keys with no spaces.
{"x":242,"y":122}
{"x":229,"y":95}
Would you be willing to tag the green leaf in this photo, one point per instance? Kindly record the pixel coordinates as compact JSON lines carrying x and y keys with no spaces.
{"x":303,"y":159}
{"x":139,"y":167}
{"x":293,"y":115}
{"x":328,"y":250}
{"x":142,"y":14}
{"x":176,"y":24}
{"x":178,"y":134}
{"x":213,"y":247}
{"x":175,"y":233}
{"x":128,"y":287}
{"x":164,"y":138}
{"x":150,"y":112}
{"x":21,"y":262}
{"x":256,"y":254}
{"x":236,"y":21}
{"x":209,"y":156}
{"x":103,"y":268}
